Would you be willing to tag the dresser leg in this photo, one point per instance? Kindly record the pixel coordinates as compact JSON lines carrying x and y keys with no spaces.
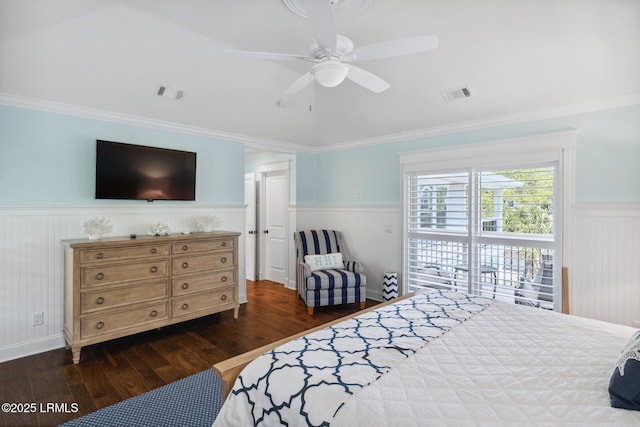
{"x":236,"y":311}
{"x":75,"y":351}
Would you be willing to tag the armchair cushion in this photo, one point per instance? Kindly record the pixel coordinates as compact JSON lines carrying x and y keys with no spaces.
{"x":334,"y":279}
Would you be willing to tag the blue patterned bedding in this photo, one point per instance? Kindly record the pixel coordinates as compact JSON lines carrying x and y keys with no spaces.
{"x":306,"y":381}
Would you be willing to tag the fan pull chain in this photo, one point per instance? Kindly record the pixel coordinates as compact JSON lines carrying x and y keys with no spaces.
{"x":311,"y":93}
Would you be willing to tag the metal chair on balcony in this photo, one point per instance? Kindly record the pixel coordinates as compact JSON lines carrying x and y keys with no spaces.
{"x":539,"y":291}
{"x":484,"y":270}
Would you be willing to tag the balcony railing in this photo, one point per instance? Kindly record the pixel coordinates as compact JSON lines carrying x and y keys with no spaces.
{"x":510,"y":273}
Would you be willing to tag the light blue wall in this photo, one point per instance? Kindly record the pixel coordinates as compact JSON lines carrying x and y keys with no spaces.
{"x":49,"y":158}
{"x":606,"y":161}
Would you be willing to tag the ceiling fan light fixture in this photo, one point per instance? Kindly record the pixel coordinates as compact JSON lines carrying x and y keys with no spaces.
{"x":330,"y":73}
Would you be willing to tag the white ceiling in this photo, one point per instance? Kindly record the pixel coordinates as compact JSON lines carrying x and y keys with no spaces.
{"x":520,"y":58}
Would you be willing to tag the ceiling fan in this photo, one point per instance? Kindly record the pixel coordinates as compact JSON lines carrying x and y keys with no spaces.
{"x":333,"y":54}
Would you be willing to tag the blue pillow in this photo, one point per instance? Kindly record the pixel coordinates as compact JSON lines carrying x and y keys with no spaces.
{"x":624,"y":384}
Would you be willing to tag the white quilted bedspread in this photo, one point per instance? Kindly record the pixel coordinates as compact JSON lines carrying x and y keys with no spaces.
{"x":506,"y":366}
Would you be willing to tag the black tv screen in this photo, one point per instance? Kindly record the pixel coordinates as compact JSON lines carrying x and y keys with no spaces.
{"x":137,"y":172}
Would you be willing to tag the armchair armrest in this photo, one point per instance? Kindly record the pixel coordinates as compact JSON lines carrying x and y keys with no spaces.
{"x":305,"y":269}
{"x":354,"y":266}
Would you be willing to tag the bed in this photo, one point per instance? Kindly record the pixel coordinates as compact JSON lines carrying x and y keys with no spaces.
{"x":436,"y":358}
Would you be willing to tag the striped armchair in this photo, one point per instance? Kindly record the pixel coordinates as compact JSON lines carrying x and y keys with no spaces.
{"x":328,"y":275}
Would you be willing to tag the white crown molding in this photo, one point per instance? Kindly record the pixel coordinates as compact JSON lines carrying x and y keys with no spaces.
{"x":264,"y":144}
{"x":526,"y":116}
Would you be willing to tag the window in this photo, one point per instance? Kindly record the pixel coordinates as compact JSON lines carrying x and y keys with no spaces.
{"x":488,"y":225}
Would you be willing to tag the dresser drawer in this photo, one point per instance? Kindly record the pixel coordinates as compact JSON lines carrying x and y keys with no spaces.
{"x":101,"y":275}
{"x":202,"y":245}
{"x":108,"y":323}
{"x":189,"y":284}
{"x":112,"y":254}
{"x":114,"y":297}
{"x":190,"y":264}
{"x":186,"y":305}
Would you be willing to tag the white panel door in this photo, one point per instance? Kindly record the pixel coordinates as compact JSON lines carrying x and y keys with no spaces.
{"x":250,"y":225}
{"x":275,"y":231}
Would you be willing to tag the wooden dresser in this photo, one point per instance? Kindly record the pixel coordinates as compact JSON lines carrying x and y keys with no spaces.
{"x":121,"y":286}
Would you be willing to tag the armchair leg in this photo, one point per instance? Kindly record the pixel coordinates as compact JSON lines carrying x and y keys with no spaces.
{"x":363,"y":305}
{"x":310,"y":311}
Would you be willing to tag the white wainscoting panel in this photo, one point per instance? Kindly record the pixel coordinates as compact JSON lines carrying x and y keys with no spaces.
{"x":604,"y":282}
{"x":32,"y":266}
{"x":373,"y":234}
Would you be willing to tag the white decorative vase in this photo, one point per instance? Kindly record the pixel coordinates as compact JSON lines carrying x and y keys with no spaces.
{"x":390,"y":286}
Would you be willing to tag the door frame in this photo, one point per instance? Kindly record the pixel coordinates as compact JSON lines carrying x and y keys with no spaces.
{"x":251,"y":227}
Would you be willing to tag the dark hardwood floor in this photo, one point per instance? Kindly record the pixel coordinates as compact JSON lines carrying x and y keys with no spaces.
{"x":117,"y":370}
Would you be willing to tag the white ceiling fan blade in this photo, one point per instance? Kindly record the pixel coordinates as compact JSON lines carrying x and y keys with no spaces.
{"x":269,"y":56}
{"x":303,"y":81}
{"x":366,"y":79}
{"x":392,"y":48}
{"x":322,"y":20}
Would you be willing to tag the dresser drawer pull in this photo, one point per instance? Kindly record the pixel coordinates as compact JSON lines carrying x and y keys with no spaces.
{"x":100,"y":300}
{"x":154,"y":313}
{"x":185,"y":286}
{"x":223,"y":259}
{"x":223,"y":279}
{"x":100,"y":276}
{"x":154,"y":269}
{"x":99,"y":255}
{"x":100,"y":325}
{"x":223,"y":297}
{"x":185,"y":265}
{"x":185,"y":247}
{"x":223,"y":244}
{"x":154,"y":251}
{"x":185,"y":306}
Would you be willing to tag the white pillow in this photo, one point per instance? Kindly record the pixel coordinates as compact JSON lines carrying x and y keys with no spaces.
{"x":324,"y":262}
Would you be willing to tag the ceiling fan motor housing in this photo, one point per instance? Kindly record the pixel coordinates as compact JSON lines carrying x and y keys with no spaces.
{"x":343,"y":46}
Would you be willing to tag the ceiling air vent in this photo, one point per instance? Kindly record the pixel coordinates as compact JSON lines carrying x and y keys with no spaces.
{"x":455,"y":94}
{"x":170,"y":93}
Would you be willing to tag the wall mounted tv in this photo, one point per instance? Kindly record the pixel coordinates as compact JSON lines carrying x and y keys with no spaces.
{"x":137,"y":172}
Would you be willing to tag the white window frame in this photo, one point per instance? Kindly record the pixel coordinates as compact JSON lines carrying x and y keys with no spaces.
{"x":554,"y":147}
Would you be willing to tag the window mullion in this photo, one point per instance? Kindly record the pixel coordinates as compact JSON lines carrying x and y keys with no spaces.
{"x":474,"y":220}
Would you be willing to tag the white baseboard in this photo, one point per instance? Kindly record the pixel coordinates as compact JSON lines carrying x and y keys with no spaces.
{"x":28,"y":348}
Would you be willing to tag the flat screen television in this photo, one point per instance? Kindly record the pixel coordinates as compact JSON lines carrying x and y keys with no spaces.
{"x":137,"y":172}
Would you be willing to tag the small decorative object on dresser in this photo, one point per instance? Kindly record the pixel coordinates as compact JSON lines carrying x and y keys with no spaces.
{"x":208,"y":223}
{"x":120,"y":286}
{"x":95,"y":228}
{"x":159,"y":229}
